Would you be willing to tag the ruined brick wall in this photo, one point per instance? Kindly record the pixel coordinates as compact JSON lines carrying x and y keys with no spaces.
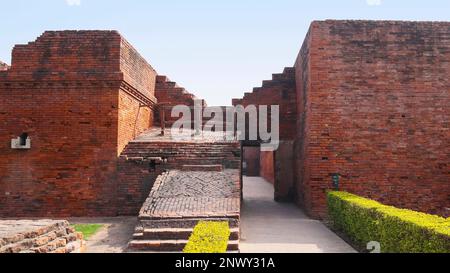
{"x":135,"y":115}
{"x":67,"y":91}
{"x":169,"y":95}
{"x":134,"y":119}
{"x":374,"y":98}
{"x":281,"y":91}
{"x":303,"y":195}
{"x":251,"y":158}
{"x":278,"y":91}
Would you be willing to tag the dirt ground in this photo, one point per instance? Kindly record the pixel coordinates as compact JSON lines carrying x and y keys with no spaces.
{"x":113,"y":237}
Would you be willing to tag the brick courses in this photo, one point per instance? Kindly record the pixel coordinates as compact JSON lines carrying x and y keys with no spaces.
{"x":80,"y":96}
{"x":367,"y":100}
{"x":373,"y":100}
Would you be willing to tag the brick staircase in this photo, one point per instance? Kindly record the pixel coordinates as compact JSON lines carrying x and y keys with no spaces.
{"x":179,"y":154}
{"x":266,"y":90}
{"x":173,"y":235}
{"x":280,"y":90}
{"x":169,"y":94}
{"x":41,"y":236}
{"x":179,"y":200}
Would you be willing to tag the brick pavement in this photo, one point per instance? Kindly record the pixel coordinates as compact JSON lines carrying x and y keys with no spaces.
{"x":180,"y":194}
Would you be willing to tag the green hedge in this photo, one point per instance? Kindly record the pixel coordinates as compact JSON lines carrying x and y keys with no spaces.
{"x":209,"y":237}
{"x":397,"y":230}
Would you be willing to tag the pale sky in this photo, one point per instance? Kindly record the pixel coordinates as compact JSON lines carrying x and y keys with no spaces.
{"x":216,"y":49}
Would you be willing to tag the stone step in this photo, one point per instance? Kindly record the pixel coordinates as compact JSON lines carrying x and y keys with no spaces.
{"x":174,"y":234}
{"x":168,"y":245}
{"x":147,"y":223}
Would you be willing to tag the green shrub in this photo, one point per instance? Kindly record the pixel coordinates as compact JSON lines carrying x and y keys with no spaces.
{"x":209,"y":237}
{"x":397,"y":230}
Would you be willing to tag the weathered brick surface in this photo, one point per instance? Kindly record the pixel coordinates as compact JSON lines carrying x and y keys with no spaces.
{"x":41,"y":236}
{"x":79,"y":95}
{"x":169,"y":95}
{"x":267,"y":166}
{"x":281,"y":91}
{"x":373,"y":100}
{"x":134,"y":119}
{"x":194,"y":194}
{"x":278,"y":91}
{"x":140,"y":162}
{"x":179,"y":200}
{"x":251,"y":158}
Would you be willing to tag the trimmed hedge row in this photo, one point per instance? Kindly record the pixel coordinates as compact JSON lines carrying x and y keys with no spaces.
{"x":397,"y":230}
{"x":209,"y":237}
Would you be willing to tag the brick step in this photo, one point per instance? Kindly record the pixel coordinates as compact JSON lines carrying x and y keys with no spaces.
{"x":168,"y":245}
{"x":186,"y":147}
{"x":202,"y":168}
{"x":174,"y":233}
{"x":149,"y":223}
{"x":179,"y":152}
{"x":184,"y":153}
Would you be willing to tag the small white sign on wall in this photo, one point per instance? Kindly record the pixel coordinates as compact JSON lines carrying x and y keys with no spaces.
{"x":21,"y":144}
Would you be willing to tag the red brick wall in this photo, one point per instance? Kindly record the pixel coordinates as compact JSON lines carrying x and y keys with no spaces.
{"x":373,"y":101}
{"x":134,"y":118}
{"x":136,"y":71}
{"x":70,"y":168}
{"x":278,"y":91}
{"x":267,"y":166}
{"x":67,"y":91}
{"x":251,"y":157}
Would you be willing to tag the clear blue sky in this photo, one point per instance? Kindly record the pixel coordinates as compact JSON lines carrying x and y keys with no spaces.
{"x":217,"y":49}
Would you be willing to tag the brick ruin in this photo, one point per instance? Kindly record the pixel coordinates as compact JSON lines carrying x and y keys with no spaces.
{"x":367,"y":101}
{"x":372,"y":103}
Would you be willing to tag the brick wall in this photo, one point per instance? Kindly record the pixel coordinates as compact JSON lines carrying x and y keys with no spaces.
{"x":278,"y":91}
{"x":276,"y":167}
{"x":169,"y":95}
{"x":251,"y":156}
{"x":267,"y":166}
{"x":68,"y":91}
{"x":134,"y":118}
{"x":373,"y":107}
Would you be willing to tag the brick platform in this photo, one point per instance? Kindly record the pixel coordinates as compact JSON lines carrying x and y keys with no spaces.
{"x":42,"y":236}
{"x":151,"y":154}
{"x":178,"y":200}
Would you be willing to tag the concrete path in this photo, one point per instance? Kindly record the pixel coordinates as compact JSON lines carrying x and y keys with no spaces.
{"x":270,"y":227}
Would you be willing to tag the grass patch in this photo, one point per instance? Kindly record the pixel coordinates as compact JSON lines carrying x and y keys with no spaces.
{"x":87,"y":229}
{"x":209,"y":237}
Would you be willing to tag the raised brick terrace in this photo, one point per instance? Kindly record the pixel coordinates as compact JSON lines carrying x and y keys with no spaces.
{"x":178,"y":200}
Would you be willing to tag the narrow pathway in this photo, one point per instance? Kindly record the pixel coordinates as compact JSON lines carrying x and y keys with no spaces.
{"x":270,"y":227}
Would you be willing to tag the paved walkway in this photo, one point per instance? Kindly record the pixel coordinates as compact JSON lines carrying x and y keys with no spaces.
{"x":270,"y":227}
